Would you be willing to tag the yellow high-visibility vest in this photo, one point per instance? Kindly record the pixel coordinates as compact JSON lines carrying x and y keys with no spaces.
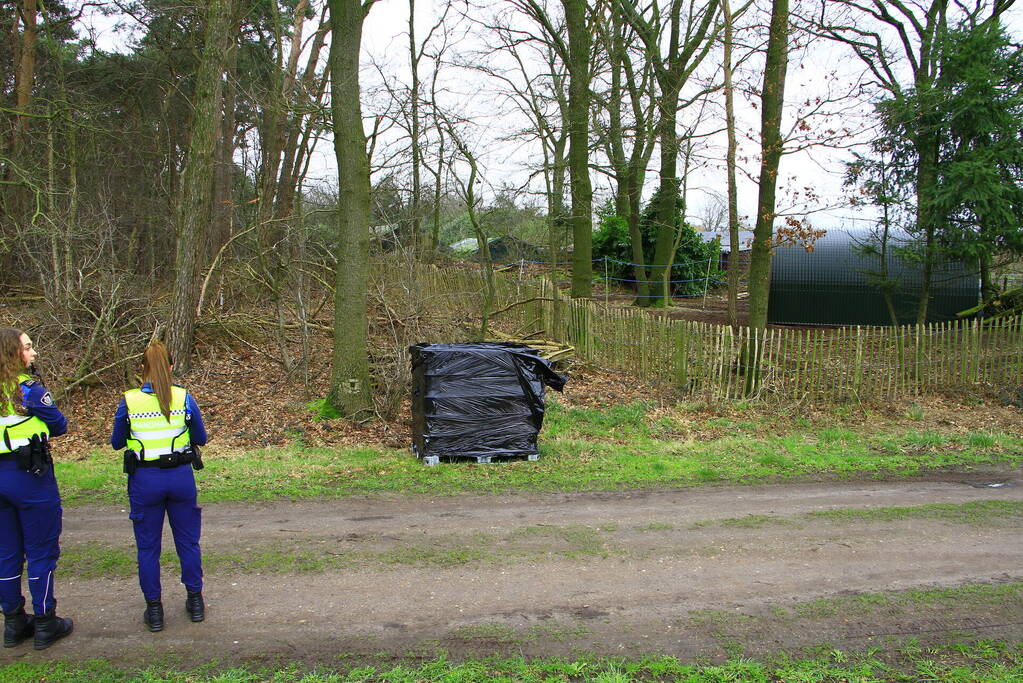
{"x":152,"y":434}
{"x":18,"y":429}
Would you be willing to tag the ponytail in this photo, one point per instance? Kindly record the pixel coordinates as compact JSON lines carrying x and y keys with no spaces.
{"x":156,"y":367}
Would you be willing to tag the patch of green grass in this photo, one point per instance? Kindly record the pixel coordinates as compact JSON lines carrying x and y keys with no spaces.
{"x":837,"y":435}
{"x":714,"y":617}
{"x":432,"y":556}
{"x":984,"y":660}
{"x":532,"y":543}
{"x":581,"y":449}
{"x":915,"y":412}
{"x":753,"y":521}
{"x":981,"y":440}
{"x":627,"y":420}
{"x":707,"y":474}
{"x":576,"y":540}
{"x":93,"y":561}
{"x":773,"y":460}
{"x":556,"y":632}
{"x":925,"y":438}
{"x":974,"y":512}
{"x":868,"y":603}
{"x":656,"y":526}
{"x":323,"y":409}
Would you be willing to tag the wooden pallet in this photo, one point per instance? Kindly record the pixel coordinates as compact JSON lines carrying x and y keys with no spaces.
{"x":478,"y":459}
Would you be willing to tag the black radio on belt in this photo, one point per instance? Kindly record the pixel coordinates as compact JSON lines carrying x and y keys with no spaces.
{"x":35,"y":456}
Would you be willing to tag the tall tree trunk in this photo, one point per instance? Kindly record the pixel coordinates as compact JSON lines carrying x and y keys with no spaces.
{"x":926,"y":219}
{"x":300,"y":129}
{"x":223,"y":174}
{"x":194,"y":209}
{"x":733,"y":195}
{"x":556,"y":215}
{"x":625,"y":177}
{"x":636,"y":174}
{"x":438,"y":192}
{"x":578,"y":150}
{"x":350,"y":379}
{"x":988,"y":287}
{"x":291,"y":161}
{"x":666,"y":211}
{"x":25,"y":78}
{"x":771,"y":146}
{"x":486,"y":269}
{"x":15,"y":199}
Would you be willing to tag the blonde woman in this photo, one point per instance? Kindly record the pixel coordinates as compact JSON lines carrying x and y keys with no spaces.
{"x":30,"y":511}
{"x":160,"y":426}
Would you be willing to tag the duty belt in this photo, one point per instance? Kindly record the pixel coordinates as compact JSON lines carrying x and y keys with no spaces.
{"x":168,"y":460}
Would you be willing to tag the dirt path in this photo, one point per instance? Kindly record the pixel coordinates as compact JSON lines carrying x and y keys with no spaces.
{"x":690,"y":572}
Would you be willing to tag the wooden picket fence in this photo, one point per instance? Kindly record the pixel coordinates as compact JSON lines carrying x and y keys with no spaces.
{"x":712,"y":361}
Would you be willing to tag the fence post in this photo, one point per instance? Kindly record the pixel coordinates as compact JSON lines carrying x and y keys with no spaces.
{"x":607,"y":284}
{"x":706,"y":284}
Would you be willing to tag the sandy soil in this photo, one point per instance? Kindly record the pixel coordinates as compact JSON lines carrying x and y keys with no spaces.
{"x":707,"y":572}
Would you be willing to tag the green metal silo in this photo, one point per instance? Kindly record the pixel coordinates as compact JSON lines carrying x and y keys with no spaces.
{"x":837,"y":284}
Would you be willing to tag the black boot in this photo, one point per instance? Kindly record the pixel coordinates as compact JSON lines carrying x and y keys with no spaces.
{"x":153,"y":616}
{"x":18,"y":626}
{"x":49,"y":629}
{"x":195,"y":607}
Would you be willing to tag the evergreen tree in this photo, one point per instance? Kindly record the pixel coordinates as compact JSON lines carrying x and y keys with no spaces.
{"x":975,"y":110}
{"x":689,"y":271}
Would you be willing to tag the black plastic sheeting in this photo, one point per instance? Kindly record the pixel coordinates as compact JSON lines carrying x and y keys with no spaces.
{"x":478,"y":399}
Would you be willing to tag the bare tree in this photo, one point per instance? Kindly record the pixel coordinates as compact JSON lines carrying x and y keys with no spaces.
{"x":771,"y":146}
{"x":732,"y":198}
{"x":467,"y":189}
{"x":632,"y":85}
{"x":575,"y":55}
{"x":536,"y":84}
{"x":676,"y":44}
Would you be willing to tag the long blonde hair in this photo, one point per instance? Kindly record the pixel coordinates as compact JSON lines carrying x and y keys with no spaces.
{"x":12,"y":366}
{"x":156,"y":369}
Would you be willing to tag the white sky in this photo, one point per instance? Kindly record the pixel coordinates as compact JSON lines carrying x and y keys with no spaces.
{"x":385,"y":43}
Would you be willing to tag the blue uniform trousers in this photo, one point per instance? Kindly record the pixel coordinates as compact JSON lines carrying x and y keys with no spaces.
{"x":152,"y":492}
{"x":30,"y":523}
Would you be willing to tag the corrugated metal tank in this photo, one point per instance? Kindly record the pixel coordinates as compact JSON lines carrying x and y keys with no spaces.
{"x":832,"y":285}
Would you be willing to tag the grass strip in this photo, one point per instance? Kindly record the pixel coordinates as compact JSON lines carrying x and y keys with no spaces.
{"x":976,"y":596}
{"x":972,"y":512}
{"x":525,"y":544}
{"x":621,"y":447}
{"x":992,"y":661}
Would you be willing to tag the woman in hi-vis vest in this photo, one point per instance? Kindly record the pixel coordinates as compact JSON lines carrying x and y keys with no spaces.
{"x":160,"y":427}
{"x":30,"y":511}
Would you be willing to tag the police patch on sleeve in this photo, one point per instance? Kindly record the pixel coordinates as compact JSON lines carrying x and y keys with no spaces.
{"x":47,"y":399}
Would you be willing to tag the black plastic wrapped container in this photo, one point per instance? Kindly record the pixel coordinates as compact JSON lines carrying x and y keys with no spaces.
{"x":478,"y":400}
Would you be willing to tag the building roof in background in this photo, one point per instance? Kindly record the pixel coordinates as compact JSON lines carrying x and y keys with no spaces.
{"x":468,"y":244}
{"x":745,"y":238}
